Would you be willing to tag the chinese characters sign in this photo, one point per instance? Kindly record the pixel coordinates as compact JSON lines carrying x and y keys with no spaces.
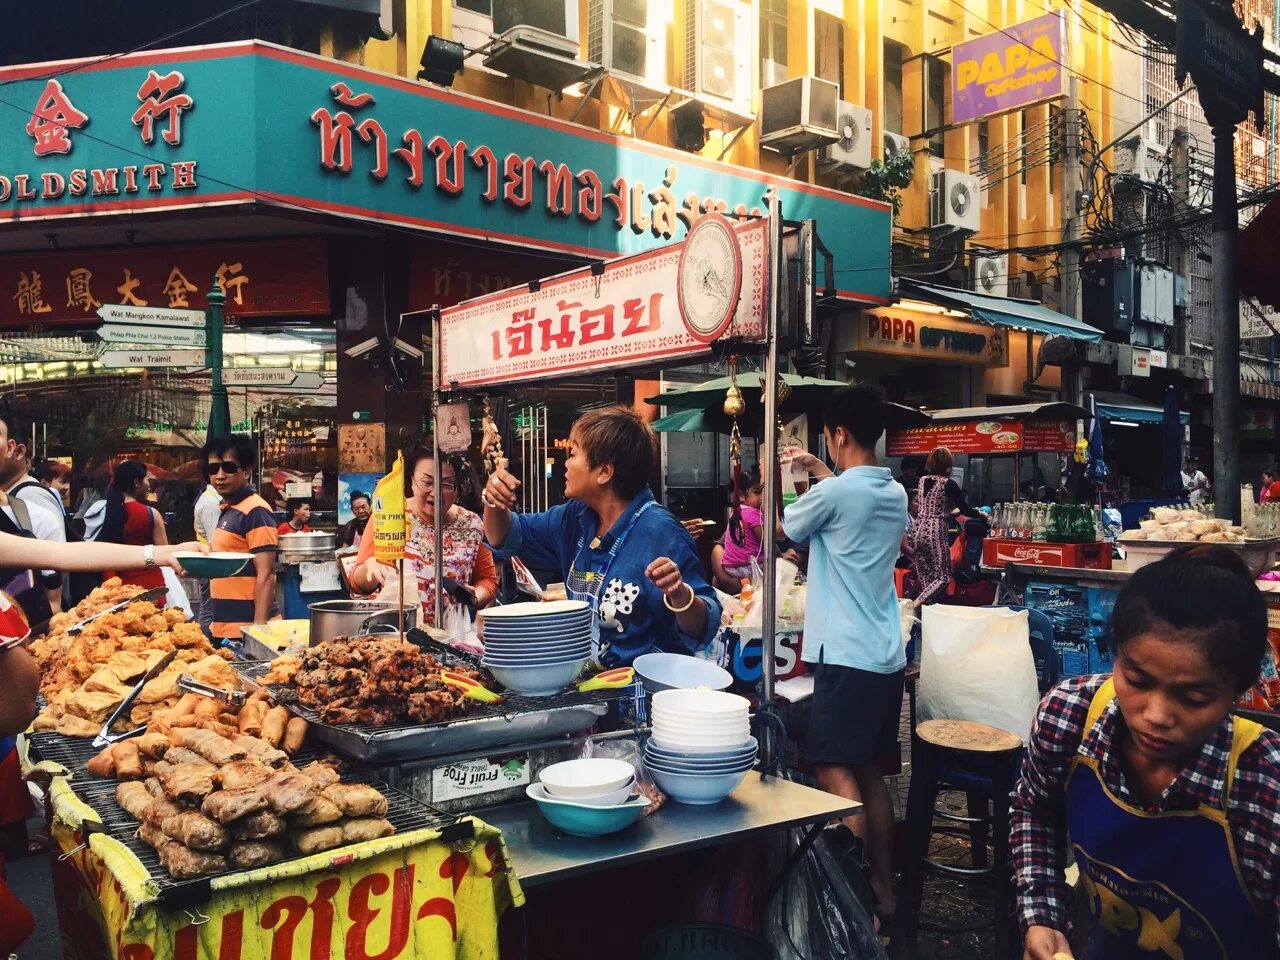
{"x":581,"y":321}
{"x":906,"y":333}
{"x":276,"y":278}
{"x":984,"y":436}
{"x":1008,"y":69}
{"x":250,"y":123}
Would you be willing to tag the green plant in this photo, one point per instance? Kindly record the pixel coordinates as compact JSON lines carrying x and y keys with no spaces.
{"x":886,"y":180}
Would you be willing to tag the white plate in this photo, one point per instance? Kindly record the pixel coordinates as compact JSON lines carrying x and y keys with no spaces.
{"x":552,"y":633}
{"x":517,"y":611}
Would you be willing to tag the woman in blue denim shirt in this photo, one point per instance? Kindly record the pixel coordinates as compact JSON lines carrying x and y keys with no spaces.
{"x":616,"y":547}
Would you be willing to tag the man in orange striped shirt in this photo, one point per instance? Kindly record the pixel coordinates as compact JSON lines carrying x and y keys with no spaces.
{"x":246,"y":525}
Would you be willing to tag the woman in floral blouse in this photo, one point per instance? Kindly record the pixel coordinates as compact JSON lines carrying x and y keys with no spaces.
{"x":467,"y":561}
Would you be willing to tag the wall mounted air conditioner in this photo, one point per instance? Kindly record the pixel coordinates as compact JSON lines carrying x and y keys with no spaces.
{"x":852,"y":151}
{"x":955,"y":202}
{"x":990,"y":274}
{"x":719,"y":52}
{"x":1139,"y":157}
{"x":799,"y":114}
{"x":894,"y":144}
{"x":629,"y":39}
{"x":550,"y":24}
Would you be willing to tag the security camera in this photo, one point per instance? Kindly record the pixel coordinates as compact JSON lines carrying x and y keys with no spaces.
{"x":408,"y":349}
{"x":360,"y":349}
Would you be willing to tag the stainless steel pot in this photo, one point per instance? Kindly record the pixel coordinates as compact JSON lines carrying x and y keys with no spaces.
{"x":306,"y":544}
{"x":351,"y":618}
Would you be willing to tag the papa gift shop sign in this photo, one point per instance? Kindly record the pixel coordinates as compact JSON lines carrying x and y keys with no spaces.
{"x":252,"y":123}
{"x":907,"y":333}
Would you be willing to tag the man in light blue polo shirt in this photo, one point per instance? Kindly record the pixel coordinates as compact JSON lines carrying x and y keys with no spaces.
{"x":854,"y":520}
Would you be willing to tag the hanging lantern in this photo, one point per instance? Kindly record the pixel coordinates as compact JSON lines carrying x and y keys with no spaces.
{"x":734,"y":404}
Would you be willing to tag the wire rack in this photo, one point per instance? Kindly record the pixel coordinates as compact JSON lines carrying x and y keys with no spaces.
{"x":405,"y":812}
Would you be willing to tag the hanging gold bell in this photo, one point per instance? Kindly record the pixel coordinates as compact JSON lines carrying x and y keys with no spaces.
{"x":784,"y":390}
{"x":734,"y":404}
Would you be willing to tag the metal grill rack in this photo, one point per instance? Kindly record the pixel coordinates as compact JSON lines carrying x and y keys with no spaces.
{"x":405,"y":812}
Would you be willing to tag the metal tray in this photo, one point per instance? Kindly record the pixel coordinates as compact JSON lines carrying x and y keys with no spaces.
{"x":514,"y":721}
{"x":1257,"y":554}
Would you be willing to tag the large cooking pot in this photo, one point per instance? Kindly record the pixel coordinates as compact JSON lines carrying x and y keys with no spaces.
{"x":351,"y":618}
{"x":306,"y":544}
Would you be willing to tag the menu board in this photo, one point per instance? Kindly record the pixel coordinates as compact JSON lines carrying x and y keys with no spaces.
{"x":984,"y":436}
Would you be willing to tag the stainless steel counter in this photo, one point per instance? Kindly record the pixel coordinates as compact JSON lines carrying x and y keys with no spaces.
{"x":542,"y":855}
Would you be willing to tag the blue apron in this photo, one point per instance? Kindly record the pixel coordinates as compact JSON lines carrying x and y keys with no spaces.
{"x":1166,"y":884}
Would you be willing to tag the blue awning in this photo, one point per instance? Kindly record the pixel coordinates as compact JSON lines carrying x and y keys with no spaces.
{"x":1121,"y":406}
{"x":1000,"y":311}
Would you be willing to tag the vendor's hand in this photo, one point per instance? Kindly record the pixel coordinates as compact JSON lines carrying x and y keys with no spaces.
{"x":792,"y":555}
{"x":376,"y":573}
{"x":1043,"y":943}
{"x":500,"y":490}
{"x":664,"y":573}
{"x":165,"y":554}
{"x":694,"y":528}
{"x":805,"y":460}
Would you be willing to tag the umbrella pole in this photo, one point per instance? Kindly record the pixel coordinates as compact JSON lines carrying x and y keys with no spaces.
{"x":768,"y":468}
{"x":437,"y":600}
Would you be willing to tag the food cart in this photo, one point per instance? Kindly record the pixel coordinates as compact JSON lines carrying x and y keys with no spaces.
{"x":465,"y":840}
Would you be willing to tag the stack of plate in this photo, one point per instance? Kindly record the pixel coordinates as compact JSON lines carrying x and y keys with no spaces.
{"x":701,"y":747}
{"x":536,"y":649}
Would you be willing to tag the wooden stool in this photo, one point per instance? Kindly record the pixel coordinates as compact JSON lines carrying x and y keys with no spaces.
{"x":983,"y":762}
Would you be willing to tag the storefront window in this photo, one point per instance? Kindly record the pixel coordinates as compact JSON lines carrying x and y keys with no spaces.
{"x":894,"y":54}
{"x":773,"y":41}
{"x":828,"y":48}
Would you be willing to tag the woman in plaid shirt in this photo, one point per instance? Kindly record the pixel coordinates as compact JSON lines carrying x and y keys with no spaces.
{"x":1171,"y":804}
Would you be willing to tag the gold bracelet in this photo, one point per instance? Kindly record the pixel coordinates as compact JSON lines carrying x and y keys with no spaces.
{"x":666,"y":601}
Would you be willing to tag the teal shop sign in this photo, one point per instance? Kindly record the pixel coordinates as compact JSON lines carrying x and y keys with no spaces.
{"x":252,"y":123}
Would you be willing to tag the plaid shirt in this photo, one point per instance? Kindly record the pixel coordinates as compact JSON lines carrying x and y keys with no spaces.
{"x":1039,"y":800}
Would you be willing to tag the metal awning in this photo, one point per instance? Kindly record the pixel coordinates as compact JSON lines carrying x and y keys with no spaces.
{"x":1000,"y":311}
{"x":1021,"y":411}
{"x":1121,"y":406}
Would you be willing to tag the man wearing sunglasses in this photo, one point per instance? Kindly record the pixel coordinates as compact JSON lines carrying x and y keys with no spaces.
{"x":245,"y":526}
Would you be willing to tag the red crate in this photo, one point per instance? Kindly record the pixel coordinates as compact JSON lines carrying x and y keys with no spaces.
{"x":1089,"y":556}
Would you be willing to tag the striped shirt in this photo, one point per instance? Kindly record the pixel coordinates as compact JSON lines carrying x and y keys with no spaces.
{"x":246,"y":526}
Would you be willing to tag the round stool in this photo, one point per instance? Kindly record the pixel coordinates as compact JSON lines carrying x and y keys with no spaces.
{"x":982,"y":761}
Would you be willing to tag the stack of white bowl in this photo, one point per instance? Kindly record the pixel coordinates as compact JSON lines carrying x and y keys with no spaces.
{"x":536,"y":649}
{"x":701,"y":747}
{"x":589,"y":797}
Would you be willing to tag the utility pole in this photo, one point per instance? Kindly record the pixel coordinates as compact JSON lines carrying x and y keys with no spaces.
{"x":1180,"y":161}
{"x":219,"y":406}
{"x":1226,"y":327}
{"x":1072,"y":225}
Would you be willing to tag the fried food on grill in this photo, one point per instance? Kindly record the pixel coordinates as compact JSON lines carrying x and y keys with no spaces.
{"x":317,"y":839}
{"x":246,"y":854}
{"x":159,"y":810}
{"x":258,"y":826}
{"x":357,"y":799}
{"x":128,"y":761}
{"x":104,"y":764}
{"x":213,"y":747}
{"x":323,"y":774}
{"x":226,"y":806}
{"x":177,"y":755}
{"x":153,"y":745}
{"x":154,"y":787}
{"x":282,"y":669}
{"x":317,"y":813}
{"x":243,"y":773}
{"x":195,"y":830}
{"x":153,"y":836}
{"x":133,"y":798}
{"x":366,"y":828}
{"x":187,"y":783}
{"x":288,"y":791}
{"x":295,"y":732}
{"x":183,"y":863}
{"x":262,"y":751}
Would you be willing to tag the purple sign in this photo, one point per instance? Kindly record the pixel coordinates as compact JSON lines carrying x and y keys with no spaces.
{"x":1008,"y":69}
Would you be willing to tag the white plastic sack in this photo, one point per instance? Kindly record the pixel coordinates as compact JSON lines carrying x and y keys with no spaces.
{"x":906,"y":620}
{"x":177,"y":596}
{"x":976,"y":664}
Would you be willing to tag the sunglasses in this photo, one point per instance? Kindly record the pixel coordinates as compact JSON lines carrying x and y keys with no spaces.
{"x":228,"y":467}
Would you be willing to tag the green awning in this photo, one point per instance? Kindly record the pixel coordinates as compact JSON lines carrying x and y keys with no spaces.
{"x":1121,"y":406}
{"x":999,"y":311}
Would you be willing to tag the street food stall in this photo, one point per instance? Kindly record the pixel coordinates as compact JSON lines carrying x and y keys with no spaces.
{"x":368,"y":795}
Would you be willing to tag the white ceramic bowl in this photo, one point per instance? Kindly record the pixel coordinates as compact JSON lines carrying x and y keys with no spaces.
{"x":706,"y":704}
{"x":586,"y":777}
{"x":611,"y":799}
{"x":584,"y":820}
{"x":699,"y":789}
{"x":694,"y":723}
{"x":539,"y":680}
{"x":676,"y":744}
{"x":537,"y":659}
{"x":676,"y":671}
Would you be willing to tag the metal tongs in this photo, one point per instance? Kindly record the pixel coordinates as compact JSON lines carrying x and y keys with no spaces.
{"x":105,"y":736}
{"x":235,"y":698}
{"x":159,"y":593}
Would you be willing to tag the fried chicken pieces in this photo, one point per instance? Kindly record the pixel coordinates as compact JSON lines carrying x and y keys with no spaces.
{"x":376,"y":682}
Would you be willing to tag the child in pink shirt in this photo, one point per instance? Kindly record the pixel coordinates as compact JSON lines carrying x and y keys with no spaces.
{"x":743,"y":542}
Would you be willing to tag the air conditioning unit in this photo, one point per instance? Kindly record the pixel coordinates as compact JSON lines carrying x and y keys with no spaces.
{"x":719,"y":53}
{"x":955,"y":202}
{"x":853,"y":150}
{"x":894,"y":144}
{"x":629,"y":39}
{"x":550,"y":24}
{"x":990,"y":274}
{"x":799,"y":115}
{"x":1139,"y":157}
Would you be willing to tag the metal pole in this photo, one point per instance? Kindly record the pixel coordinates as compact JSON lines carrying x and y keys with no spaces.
{"x":768,"y":470}
{"x":1069,"y":258}
{"x":1226,"y":328}
{"x":220,"y":406}
{"x":437,"y":515}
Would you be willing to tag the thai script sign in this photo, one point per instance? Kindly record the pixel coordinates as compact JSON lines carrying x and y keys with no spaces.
{"x":1008,"y":69}
{"x":984,"y":436}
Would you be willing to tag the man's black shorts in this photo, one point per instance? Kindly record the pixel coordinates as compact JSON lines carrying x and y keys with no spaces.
{"x":855,"y":715}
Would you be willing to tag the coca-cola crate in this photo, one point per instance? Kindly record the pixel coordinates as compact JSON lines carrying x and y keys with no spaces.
{"x":1088,"y":556}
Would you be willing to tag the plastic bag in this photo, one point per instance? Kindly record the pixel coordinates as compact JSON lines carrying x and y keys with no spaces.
{"x":976,"y":664}
{"x":388,"y":514}
{"x":823,"y":908}
{"x":177,"y":596}
{"x":629,"y":751}
{"x":907,"y":619}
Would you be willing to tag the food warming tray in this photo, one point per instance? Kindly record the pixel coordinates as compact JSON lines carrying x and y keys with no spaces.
{"x":514,"y":720}
{"x":405,"y":812}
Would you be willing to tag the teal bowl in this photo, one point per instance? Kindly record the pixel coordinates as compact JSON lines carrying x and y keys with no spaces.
{"x":211,"y":566}
{"x":582,"y":820}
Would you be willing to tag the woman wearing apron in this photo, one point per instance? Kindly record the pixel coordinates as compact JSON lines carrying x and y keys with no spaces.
{"x":467,"y":561}
{"x":616,"y":547}
{"x":1171,"y":805}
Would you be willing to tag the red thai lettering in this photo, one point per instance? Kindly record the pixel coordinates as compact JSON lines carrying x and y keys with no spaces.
{"x":484,"y":160}
{"x":633,"y":311}
{"x":343,"y":95}
{"x":232,"y":942}
{"x":455,"y":866}
{"x":137,"y":951}
{"x":335,"y":138}
{"x":362,"y":913}
{"x":162,"y":101}
{"x":447,"y":154}
{"x":520,"y":333}
{"x":596,"y":325}
{"x":412,"y":155}
{"x":559,"y":187}
{"x":184,"y":174}
{"x":590,"y":196}
{"x":52,"y":121}
{"x":517,"y":188}
{"x":618,"y":198}
{"x":558,"y":333}
{"x":283,"y":918}
{"x":370,"y":130}
{"x":185,"y":944}
{"x":497,"y":863}
{"x":322,"y":916}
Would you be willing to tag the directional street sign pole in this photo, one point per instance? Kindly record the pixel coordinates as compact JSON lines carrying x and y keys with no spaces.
{"x":220,"y":406}
{"x":272,"y":377}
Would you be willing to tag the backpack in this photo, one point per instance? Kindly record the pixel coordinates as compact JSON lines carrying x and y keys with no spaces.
{"x":24,"y":586}
{"x":79,"y":585}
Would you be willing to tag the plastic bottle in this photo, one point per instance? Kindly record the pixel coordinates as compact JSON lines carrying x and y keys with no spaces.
{"x":747,"y":594}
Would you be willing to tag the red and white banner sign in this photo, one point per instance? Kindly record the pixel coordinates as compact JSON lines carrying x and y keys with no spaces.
{"x":984,"y":436}
{"x":628,"y":315}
